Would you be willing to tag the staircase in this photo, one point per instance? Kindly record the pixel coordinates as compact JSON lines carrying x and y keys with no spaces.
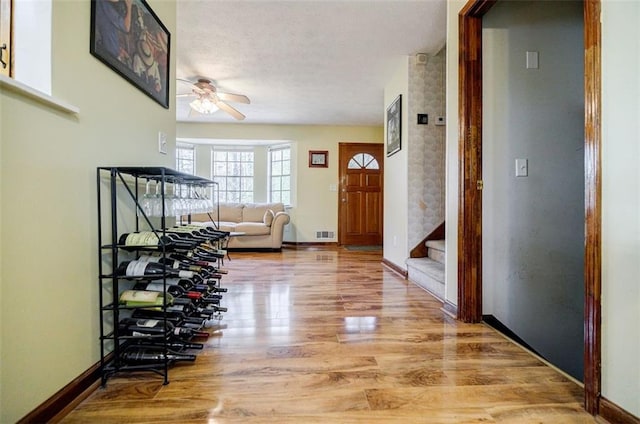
{"x":428,"y":271}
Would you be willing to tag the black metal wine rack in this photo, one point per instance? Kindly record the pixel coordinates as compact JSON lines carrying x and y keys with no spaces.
{"x":115,"y":186}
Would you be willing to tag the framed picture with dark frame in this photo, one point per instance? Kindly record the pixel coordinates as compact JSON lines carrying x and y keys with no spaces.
{"x":394,"y":126}
{"x":128,"y":37}
{"x":318,"y":159}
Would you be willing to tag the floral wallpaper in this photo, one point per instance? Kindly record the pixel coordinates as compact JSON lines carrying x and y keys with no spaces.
{"x":426,"y":147}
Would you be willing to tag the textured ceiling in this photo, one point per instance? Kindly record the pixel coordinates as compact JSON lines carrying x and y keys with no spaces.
{"x":302,"y":62}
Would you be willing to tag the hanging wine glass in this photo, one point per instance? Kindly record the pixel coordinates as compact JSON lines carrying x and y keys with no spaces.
{"x":200,"y":201}
{"x":147,"y":200}
{"x":168,"y":201}
{"x":157,"y":200}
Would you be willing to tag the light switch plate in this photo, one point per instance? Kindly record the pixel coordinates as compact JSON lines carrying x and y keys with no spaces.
{"x":162,"y":142}
{"x":532,"y":60}
{"x":522,"y":167}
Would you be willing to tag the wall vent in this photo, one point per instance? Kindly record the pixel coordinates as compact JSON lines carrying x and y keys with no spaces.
{"x":320,"y":235}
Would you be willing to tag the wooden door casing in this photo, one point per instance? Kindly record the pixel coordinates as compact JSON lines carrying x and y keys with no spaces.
{"x":360,"y":196}
{"x":470,"y":151}
{"x":5,"y":38}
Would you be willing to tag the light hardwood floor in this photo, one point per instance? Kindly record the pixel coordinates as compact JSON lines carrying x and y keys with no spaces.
{"x":332,"y":336}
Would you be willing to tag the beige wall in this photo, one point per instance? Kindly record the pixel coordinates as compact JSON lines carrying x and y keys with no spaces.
{"x":48,"y":281}
{"x":315,"y":205}
{"x":2,"y":359}
{"x":396,"y":248}
{"x":621,"y":203}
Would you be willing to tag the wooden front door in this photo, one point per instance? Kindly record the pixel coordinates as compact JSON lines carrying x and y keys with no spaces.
{"x":360,"y":194}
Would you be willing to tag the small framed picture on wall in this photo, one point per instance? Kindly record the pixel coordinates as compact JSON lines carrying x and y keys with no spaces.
{"x":318,"y":159}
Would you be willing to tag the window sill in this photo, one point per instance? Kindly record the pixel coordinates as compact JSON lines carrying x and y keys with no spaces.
{"x":39,"y":96}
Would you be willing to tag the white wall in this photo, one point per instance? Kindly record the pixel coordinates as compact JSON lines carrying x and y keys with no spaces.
{"x":533,"y":226}
{"x":32,"y":43}
{"x":315,"y":205}
{"x":395,"y":244}
{"x":451,"y":207}
{"x":621,"y":203}
{"x":48,"y":282}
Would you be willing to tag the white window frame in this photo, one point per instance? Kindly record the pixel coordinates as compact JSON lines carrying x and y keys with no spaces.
{"x":245,"y":196}
{"x":182,"y":190}
{"x":270,"y":175}
{"x":180,"y":160}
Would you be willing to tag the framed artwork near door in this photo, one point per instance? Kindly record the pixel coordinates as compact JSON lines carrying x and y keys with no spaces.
{"x":394,"y":126}
{"x":318,"y":159}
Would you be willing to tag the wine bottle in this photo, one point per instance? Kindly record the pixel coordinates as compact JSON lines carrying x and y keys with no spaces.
{"x":189,"y":234}
{"x":178,"y":261}
{"x":176,"y":264}
{"x":150,"y":269}
{"x":156,"y":327}
{"x":205,"y":287}
{"x":175,"y":345}
{"x":144,"y":355}
{"x":201,"y":255}
{"x":219,"y":289}
{"x":206,"y":309}
{"x":141,"y":298}
{"x":214,"y":231}
{"x":178,"y":318}
{"x":190,"y":310}
{"x":196,"y":261}
{"x":177,"y":291}
{"x":150,"y":239}
{"x":204,"y":252}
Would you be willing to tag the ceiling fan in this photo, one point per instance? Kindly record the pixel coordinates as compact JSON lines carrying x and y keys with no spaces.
{"x":208,"y":99}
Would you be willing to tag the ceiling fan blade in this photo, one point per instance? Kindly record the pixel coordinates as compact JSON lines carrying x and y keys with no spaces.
{"x":230,"y":110}
{"x":238,"y":98}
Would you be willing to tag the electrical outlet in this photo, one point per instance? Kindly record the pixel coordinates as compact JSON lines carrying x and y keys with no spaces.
{"x":162,"y":142}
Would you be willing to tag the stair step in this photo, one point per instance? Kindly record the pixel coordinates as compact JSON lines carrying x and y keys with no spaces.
{"x":436,"y":255}
{"x":436,"y":245}
{"x":428,"y":274}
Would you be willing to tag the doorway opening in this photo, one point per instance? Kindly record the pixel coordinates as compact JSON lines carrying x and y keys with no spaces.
{"x":470,"y":181}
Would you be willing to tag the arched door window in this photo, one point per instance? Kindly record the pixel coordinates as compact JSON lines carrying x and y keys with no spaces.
{"x":363,"y":161}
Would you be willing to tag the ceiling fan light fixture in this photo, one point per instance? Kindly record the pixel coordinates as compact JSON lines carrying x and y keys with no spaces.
{"x":204,"y":105}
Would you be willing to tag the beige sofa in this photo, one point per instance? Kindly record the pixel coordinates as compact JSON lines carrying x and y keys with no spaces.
{"x":262,"y":224}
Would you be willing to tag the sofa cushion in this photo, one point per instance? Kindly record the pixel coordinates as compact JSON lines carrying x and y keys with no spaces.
{"x":254,"y":212}
{"x":227,"y":226}
{"x":231,"y":212}
{"x":267,"y":219}
{"x":253,"y":228}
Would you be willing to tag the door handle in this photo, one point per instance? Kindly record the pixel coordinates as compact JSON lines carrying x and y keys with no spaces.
{"x":3,"y":47}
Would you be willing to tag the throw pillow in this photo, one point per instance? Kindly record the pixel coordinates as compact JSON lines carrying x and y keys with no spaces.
{"x":268,"y":217}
